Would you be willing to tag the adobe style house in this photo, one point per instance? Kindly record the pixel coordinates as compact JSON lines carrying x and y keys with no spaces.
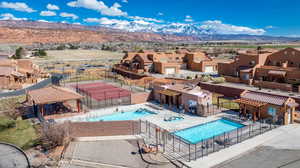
{"x":242,"y":68}
{"x":15,"y":73}
{"x":266,"y":106}
{"x":165,"y":62}
{"x":190,"y":98}
{"x":267,"y":69}
{"x":200,"y":61}
{"x":280,"y":71}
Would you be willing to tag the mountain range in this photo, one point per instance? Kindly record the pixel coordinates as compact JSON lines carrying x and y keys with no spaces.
{"x":20,"y":31}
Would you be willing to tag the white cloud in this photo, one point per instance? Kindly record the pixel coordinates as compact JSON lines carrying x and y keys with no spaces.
{"x":270,"y":27}
{"x":145,"y":19}
{"x":42,"y":20}
{"x":221,"y":28}
{"x":47,"y":13}
{"x":208,"y":27}
{"x":52,"y":7}
{"x":69,"y":15}
{"x":77,"y":23}
{"x":99,"y":6}
{"x":160,"y":14}
{"x":106,"y":21}
{"x":142,"y":22}
{"x":18,"y":6}
{"x":9,"y":16}
{"x":125,"y":1}
{"x":188,"y":18}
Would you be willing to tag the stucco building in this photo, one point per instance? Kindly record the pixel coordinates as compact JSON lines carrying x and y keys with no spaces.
{"x":258,"y":106}
{"x":15,"y":73}
{"x":167,"y":62}
{"x":190,"y":98}
{"x":268,"y":69}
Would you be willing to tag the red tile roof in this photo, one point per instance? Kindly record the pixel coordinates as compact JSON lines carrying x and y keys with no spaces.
{"x":264,"y":97}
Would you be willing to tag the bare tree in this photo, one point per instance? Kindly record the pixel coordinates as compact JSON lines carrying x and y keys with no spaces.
{"x":11,"y":106}
{"x":53,"y":135}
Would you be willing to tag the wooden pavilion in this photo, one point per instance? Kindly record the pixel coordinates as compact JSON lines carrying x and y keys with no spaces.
{"x":53,"y":100}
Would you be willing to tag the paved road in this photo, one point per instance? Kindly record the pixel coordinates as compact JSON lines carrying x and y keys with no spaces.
{"x":11,"y":157}
{"x":117,"y":153}
{"x":281,"y":152}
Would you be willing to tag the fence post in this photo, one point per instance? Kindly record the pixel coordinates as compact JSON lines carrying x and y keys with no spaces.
{"x":195,"y":151}
{"x":224,"y":140}
{"x":213,"y":144}
{"x":250,"y":130}
{"x":237,"y":135}
{"x":179,"y":144}
{"x":189,"y":152}
{"x":140,"y":126}
{"x":202,"y":148}
{"x":260,"y":126}
{"x":173,"y":143}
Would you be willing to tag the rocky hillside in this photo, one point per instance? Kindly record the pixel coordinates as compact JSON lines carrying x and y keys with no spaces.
{"x":29,"y":32}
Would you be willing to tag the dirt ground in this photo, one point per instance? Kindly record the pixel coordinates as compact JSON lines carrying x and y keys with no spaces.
{"x":82,"y":54}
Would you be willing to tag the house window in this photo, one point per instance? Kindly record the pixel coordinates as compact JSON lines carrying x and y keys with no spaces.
{"x":272,"y":111}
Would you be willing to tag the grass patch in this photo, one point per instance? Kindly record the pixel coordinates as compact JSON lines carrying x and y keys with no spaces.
{"x":23,"y":135}
{"x":225,"y":103}
{"x":17,"y":100}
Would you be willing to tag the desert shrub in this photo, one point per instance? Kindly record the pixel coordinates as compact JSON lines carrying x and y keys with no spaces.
{"x":218,"y":80}
{"x":40,"y":53}
{"x":61,"y":47}
{"x":205,"y":78}
{"x":188,"y":77}
{"x":53,"y":135}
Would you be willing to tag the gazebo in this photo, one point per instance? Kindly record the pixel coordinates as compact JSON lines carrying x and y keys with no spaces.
{"x":53,"y":100}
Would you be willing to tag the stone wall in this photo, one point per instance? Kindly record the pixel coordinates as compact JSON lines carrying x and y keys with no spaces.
{"x":273,"y":85}
{"x":232,"y":79}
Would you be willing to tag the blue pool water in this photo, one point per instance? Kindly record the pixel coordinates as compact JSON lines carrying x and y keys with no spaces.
{"x":123,"y":116}
{"x":208,"y":130}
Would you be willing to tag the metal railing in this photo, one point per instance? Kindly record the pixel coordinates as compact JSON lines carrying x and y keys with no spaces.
{"x":177,"y":148}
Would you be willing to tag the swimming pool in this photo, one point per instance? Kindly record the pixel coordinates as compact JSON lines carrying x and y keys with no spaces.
{"x":123,"y":116}
{"x":208,"y":130}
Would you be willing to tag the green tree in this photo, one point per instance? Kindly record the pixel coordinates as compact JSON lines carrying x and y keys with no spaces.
{"x":20,"y":52}
{"x":40,"y":53}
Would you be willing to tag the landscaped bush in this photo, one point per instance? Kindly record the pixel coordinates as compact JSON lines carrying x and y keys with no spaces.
{"x":205,"y":78}
{"x":6,"y":123}
{"x":218,"y":80}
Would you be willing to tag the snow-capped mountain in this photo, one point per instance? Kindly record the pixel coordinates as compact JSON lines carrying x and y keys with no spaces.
{"x":173,"y":28}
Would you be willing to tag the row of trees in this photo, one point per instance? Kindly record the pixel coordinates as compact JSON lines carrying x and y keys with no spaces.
{"x":21,"y":53}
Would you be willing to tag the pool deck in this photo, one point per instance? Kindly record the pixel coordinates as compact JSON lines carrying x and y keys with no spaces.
{"x":237,"y":150}
{"x":157,"y":119}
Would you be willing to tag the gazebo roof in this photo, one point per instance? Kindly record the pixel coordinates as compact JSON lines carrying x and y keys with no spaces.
{"x":51,"y":94}
{"x":250,"y":102}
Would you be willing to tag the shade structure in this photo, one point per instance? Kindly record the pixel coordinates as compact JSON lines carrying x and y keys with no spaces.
{"x":168,"y":92}
{"x":51,"y":94}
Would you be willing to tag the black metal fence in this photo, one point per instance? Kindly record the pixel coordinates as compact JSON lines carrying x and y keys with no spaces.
{"x":93,"y":103}
{"x":175,"y":147}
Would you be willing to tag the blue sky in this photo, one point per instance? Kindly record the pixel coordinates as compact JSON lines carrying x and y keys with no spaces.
{"x":269,"y":17}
